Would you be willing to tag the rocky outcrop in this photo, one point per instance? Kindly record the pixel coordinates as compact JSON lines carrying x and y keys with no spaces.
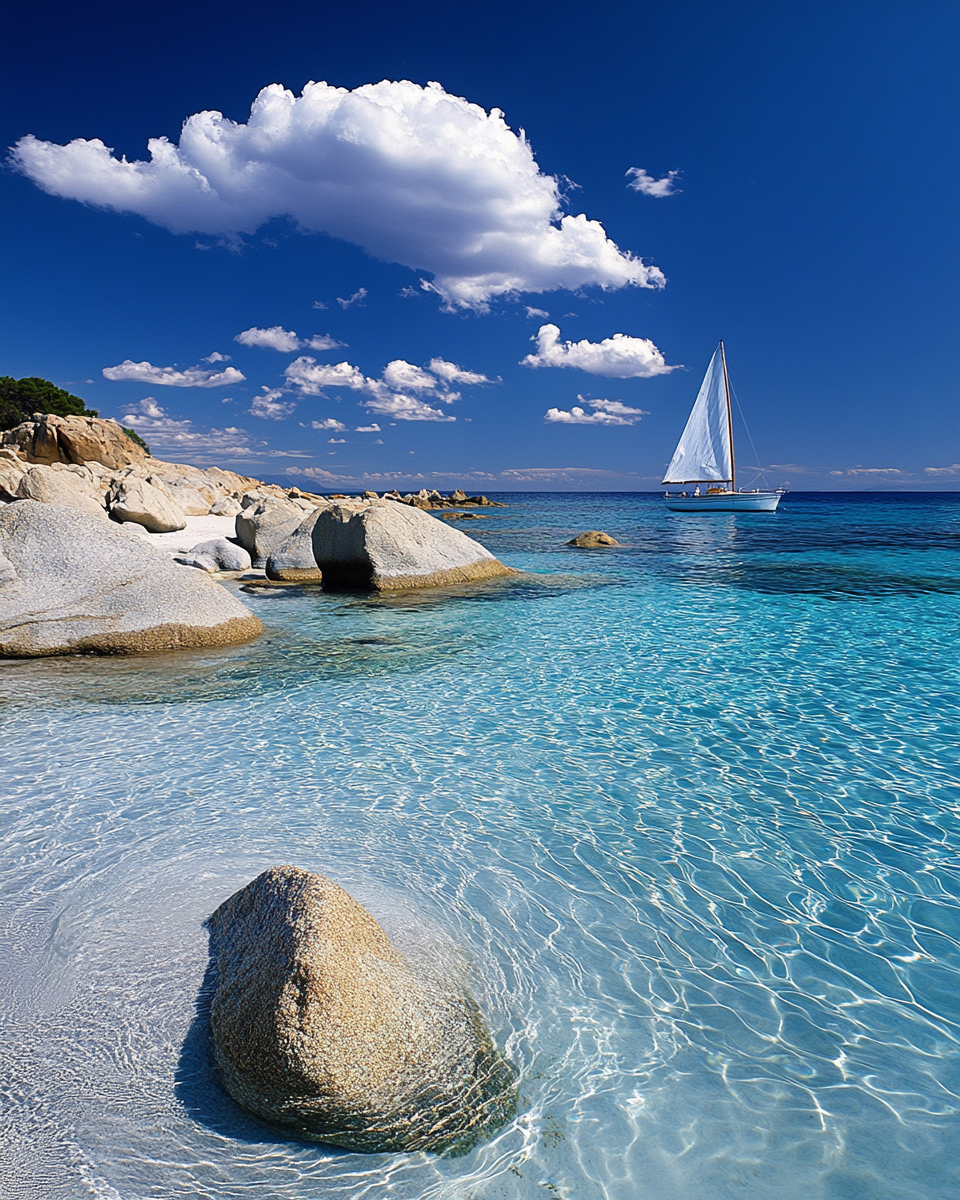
{"x":226,"y":506}
{"x":383,"y":546}
{"x":71,"y":487}
{"x":49,"y":439}
{"x":434,"y":499}
{"x":264,"y":526}
{"x":146,"y":502}
{"x":293,"y":561}
{"x":12,"y":469}
{"x":319,"y":1024}
{"x":592,"y":539}
{"x":217,"y":554}
{"x":85,"y":585}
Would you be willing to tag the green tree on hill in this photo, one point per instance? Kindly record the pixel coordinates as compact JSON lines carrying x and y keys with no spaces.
{"x":21,"y":398}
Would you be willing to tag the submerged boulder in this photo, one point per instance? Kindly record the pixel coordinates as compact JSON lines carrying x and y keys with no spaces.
{"x":321,"y":1025}
{"x":386,"y":546}
{"x":79,"y":584}
{"x":592,"y":539}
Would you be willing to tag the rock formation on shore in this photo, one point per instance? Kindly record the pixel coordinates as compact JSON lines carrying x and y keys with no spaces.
{"x":75,"y":583}
{"x":53,"y":467}
{"x":319,"y":1024}
{"x":378,"y":545}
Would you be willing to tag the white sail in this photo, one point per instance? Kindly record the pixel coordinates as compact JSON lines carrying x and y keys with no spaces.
{"x":703,"y":453}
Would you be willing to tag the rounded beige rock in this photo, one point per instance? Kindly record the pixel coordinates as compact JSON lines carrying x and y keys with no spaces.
{"x":320,"y":1024}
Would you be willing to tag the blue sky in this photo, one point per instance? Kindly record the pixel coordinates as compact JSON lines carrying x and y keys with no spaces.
{"x":811,"y":223}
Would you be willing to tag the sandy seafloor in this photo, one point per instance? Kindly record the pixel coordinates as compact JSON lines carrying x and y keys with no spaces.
{"x":690,"y":807}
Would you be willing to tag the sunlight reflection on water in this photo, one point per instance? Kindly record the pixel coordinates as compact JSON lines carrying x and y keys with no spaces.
{"x":696,"y":834}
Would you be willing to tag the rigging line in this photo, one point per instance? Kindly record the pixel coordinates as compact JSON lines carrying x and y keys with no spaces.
{"x":746,"y":427}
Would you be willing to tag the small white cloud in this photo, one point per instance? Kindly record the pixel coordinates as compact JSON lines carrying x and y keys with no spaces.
{"x":183,"y":442}
{"x":642,"y":182}
{"x":368,"y":428}
{"x":311,"y":378}
{"x":270,"y":406}
{"x":144,"y":372}
{"x":873,"y":471}
{"x":322,"y":341}
{"x":606,"y":412}
{"x":274,"y":338}
{"x":620,"y":356}
{"x":329,"y":423}
{"x":400,"y":375}
{"x":319,"y":304}
{"x":538,"y":313}
{"x":951,"y":470}
{"x":407,"y":293}
{"x":336,"y":441}
{"x":412,"y":174}
{"x":390,"y":395}
{"x":216,"y":357}
{"x":450,"y":373}
{"x":555,"y":474}
{"x":356,"y":298}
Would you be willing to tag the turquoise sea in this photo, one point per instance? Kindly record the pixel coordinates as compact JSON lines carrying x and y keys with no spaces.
{"x":690,"y":807}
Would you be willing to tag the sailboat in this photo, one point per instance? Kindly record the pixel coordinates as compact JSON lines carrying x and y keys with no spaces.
{"x":704,"y":454}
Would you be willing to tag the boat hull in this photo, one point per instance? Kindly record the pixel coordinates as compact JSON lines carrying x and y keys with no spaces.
{"x":725,"y":502}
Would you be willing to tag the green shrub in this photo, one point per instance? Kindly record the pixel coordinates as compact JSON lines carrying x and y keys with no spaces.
{"x":21,"y":398}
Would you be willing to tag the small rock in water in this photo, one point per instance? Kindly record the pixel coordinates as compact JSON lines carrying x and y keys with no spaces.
{"x":319,"y":1024}
{"x":593,"y":538}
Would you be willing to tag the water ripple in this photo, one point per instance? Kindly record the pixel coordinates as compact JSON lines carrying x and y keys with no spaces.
{"x":698,"y":842}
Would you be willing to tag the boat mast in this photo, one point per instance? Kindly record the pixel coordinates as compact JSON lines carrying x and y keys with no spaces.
{"x":726,"y":384}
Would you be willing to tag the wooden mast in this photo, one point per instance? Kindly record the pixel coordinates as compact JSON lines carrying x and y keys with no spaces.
{"x":726,"y":384}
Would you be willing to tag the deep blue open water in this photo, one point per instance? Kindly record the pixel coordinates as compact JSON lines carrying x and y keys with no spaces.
{"x":690,"y":808}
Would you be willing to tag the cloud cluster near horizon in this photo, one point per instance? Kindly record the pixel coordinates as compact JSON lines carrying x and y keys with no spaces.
{"x":619,"y":357}
{"x":605,"y":412}
{"x":648,"y":186}
{"x":285,"y":340}
{"x":412,"y":174}
{"x":401,"y":392}
{"x":144,"y":372}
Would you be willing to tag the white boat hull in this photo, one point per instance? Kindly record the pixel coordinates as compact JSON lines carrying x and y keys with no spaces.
{"x":725,"y":502}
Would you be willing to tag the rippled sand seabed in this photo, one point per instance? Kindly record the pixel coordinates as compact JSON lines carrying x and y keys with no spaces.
{"x":690,"y":807}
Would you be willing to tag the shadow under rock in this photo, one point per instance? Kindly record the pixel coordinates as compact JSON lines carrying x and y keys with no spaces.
{"x":197,"y":1086}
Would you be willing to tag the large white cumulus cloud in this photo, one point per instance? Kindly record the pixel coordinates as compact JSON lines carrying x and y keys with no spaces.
{"x":411,"y":174}
{"x":618,"y":357}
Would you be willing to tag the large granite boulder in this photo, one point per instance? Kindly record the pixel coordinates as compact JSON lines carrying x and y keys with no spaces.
{"x":385,"y":546}
{"x":293,"y":561}
{"x":261,"y":527}
{"x":12,"y":470}
{"x":81,"y":584}
{"x":145,"y":502}
{"x":70,"y":487}
{"x":321,"y":1025}
{"x":49,"y":439}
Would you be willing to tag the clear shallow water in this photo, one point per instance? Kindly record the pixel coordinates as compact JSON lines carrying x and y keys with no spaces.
{"x":690,"y":807}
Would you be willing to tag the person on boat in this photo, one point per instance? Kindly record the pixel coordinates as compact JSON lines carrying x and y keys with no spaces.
{"x":696,"y":490}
